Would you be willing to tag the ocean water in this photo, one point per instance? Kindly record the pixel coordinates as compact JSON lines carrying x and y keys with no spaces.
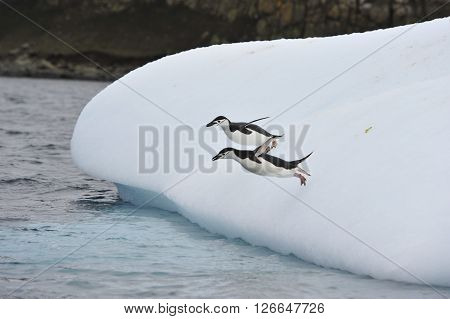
{"x":64,"y":234}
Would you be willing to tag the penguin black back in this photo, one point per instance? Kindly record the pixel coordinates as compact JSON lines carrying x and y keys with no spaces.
{"x":279,"y":162}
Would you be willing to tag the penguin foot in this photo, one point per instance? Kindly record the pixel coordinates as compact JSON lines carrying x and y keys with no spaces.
{"x":302,"y":179}
{"x":274,"y":144}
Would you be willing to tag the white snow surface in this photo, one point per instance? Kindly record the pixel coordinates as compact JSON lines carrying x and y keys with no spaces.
{"x":389,"y":187}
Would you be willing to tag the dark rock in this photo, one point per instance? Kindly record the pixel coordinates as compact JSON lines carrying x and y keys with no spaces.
{"x":121,"y":35}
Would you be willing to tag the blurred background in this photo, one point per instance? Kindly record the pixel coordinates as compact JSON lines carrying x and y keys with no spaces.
{"x":121,"y":35}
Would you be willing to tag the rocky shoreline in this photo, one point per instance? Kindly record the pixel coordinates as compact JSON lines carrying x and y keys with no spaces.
{"x":120,"y":35}
{"x":76,"y":66}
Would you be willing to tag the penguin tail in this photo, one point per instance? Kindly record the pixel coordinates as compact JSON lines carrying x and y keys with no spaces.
{"x":301,"y":170}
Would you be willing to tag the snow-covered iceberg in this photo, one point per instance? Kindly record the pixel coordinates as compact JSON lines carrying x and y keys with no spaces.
{"x":380,"y":135}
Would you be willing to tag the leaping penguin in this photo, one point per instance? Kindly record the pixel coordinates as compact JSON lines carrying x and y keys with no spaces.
{"x":261,"y":163}
{"x":244,"y":133}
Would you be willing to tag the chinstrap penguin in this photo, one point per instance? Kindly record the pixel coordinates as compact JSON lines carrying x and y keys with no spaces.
{"x":261,"y":163}
{"x":244,"y":133}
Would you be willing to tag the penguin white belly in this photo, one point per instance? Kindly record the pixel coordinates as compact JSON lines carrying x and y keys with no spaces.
{"x":264,"y":168}
{"x":246,"y":139}
{"x":252,"y":166}
{"x":268,"y":169}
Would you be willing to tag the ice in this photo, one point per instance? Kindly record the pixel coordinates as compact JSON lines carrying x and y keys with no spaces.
{"x":378,"y":200}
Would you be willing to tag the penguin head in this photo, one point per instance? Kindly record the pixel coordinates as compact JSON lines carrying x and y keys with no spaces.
{"x":217,"y":121}
{"x":225,"y":153}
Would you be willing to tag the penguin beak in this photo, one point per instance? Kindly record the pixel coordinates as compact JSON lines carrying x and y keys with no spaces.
{"x":211,"y":124}
{"x":215,"y":158}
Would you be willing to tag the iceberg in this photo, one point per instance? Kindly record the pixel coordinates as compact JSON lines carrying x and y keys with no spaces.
{"x":377,"y":105}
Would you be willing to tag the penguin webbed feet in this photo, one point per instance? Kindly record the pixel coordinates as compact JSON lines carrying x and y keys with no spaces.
{"x":274,"y":144}
{"x":302,"y":179}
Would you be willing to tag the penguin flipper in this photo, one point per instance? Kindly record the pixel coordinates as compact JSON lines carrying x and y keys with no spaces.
{"x":263,"y":118}
{"x":266,"y":147}
{"x":295,"y":164}
{"x":241,"y":127}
